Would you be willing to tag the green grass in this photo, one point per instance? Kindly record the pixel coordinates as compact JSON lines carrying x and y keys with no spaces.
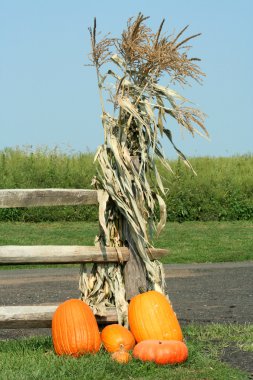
{"x":238,"y":335}
{"x":188,"y":242}
{"x":62,"y":233}
{"x":34,"y":359}
{"x":201,"y":242}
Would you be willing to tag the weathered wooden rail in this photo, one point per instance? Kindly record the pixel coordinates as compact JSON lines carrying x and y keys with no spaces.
{"x":46,"y":197}
{"x":53,"y":254}
{"x":41,"y":315}
{"x":66,"y":254}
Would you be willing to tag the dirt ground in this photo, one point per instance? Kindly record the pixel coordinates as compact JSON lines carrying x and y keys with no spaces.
{"x":200,"y":293}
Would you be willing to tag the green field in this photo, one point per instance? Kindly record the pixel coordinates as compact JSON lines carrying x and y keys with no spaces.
{"x":34,"y":358}
{"x":222,"y":189}
{"x":188,"y":242}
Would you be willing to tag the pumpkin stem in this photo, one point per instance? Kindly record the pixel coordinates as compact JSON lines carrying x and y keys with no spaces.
{"x":121,"y":347}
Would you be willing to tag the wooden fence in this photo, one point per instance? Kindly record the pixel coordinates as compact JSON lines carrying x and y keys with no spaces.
{"x":41,"y":315}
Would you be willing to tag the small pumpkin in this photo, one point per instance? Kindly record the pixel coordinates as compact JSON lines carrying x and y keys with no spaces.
{"x":74,"y":329}
{"x":121,"y":356}
{"x":116,"y":336}
{"x":151,"y":316}
{"x":161,"y":351}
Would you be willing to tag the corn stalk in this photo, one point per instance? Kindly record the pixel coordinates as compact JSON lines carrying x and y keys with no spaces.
{"x":129,"y":70}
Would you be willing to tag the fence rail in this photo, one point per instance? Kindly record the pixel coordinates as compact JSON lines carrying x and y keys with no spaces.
{"x":40,"y":316}
{"x":46,"y":197}
{"x":59,"y":254}
{"x":67,"y":254}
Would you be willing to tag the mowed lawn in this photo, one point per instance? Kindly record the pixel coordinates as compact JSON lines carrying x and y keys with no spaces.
{"x":34,"y":358}
{"x":188,"y":242}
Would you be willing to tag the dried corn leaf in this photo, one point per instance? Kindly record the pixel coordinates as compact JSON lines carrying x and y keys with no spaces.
{"x":158,"y":180}
{"x":170,"y":94}
{"x":126,"y":104}
{"x":103,"y":197}
{"x":163,"y":214}
{"x":118,"y":60}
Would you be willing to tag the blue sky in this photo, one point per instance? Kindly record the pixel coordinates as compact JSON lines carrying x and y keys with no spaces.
{"x":48,"y":97}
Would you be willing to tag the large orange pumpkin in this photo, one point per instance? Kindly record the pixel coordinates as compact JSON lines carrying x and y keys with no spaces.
{"x":115,"y":337}
{"x":151,"y":316}
{"x":74,"y":329}
{"x":161,"y":352}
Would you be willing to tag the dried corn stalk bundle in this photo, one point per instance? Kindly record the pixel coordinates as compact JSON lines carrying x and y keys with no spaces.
{"x":129,"y":70}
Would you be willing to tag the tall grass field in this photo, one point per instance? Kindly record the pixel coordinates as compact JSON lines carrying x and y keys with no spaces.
{"x":222,"y":189}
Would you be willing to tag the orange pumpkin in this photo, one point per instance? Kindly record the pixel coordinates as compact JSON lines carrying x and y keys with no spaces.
{"x":151,"y":316}
{"x":74,"y":329}
{"x":121,"y":356}
{"x":115,"y":336}
{"x":161,"y":352}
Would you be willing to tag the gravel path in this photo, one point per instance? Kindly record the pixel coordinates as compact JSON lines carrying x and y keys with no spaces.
{"x":199,"y":293}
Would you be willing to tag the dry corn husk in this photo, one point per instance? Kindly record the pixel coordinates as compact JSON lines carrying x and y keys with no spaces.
{"x":128,"y":180}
